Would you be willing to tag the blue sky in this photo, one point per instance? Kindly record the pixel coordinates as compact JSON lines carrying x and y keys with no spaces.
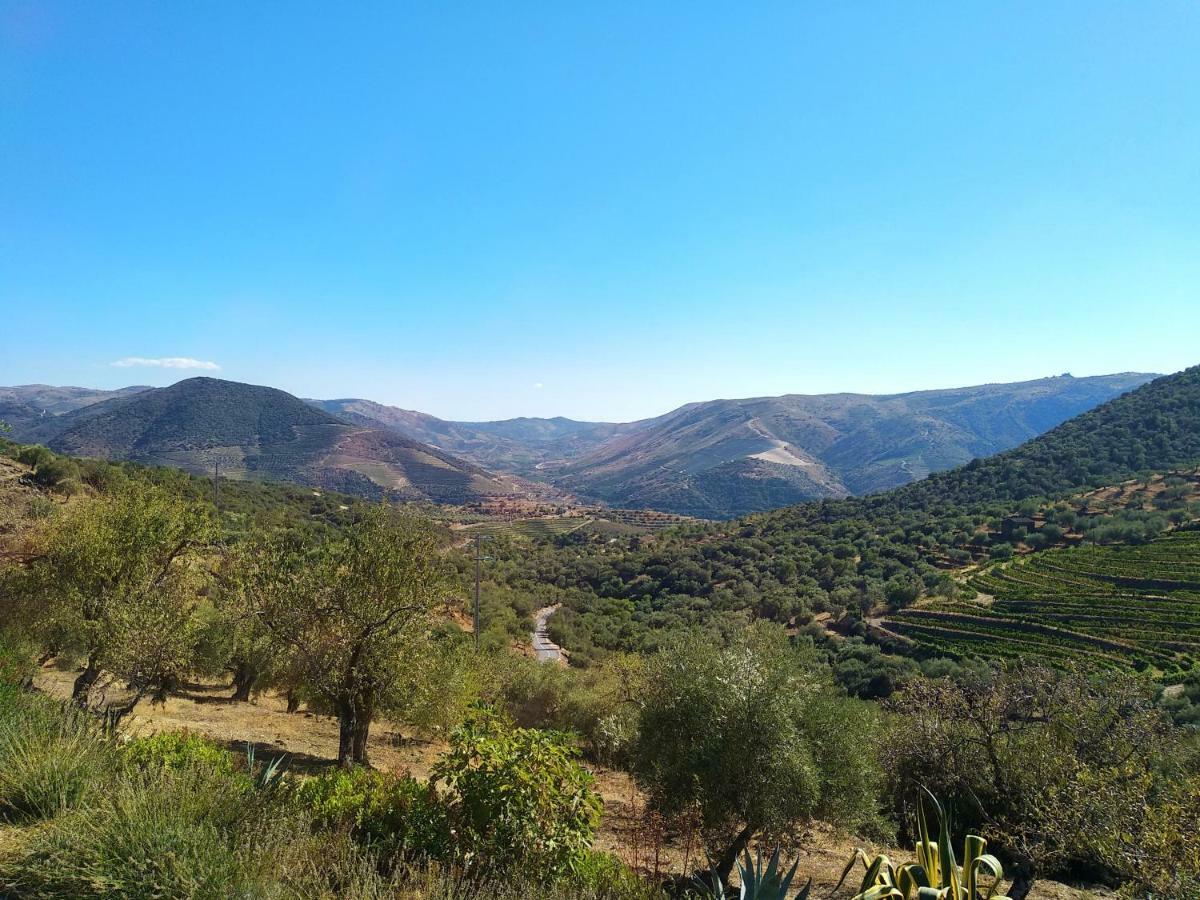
{"x":488,"y":210}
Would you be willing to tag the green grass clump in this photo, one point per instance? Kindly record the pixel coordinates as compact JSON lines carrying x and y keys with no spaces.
{"x":190,"y":833}
{"x":52,"y":759}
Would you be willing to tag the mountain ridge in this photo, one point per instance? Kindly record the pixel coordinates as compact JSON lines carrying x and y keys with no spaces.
{"x":712,"y":459}
{"x":254,"y":431}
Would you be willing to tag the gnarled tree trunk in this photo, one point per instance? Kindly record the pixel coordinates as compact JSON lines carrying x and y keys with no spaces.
{"x":354,"y":725}
{"x":87,"y":678}
{"x":244,"y":677}
{"x":723,"y":867}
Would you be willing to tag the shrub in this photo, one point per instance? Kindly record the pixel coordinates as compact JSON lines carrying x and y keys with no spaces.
{"x":517,"y":798}
{"x":395,"y":815}
{"x":176,"y":750}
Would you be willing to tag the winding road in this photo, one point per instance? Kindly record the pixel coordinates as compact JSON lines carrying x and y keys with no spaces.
{"x":544,"y":648}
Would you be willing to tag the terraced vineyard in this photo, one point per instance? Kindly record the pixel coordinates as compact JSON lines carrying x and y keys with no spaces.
{"x":1115,"y":606}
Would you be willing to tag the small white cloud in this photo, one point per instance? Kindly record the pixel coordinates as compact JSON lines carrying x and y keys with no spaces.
{"x":166,"y":362}
{"x":537,"y":385}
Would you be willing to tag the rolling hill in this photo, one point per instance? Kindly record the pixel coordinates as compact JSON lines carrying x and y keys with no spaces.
{"x":261,"y":433}
{"x":24,"y":405}
{"x":519,"y":446}
{"x":726,"y":458}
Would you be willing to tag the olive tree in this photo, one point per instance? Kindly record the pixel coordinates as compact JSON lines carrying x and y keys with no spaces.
{"x":118,"y":580}
{"x":752,"y":738}
{"x":250,"y":573}
{"x":1055,"y":767}
{"x":353,"y":611}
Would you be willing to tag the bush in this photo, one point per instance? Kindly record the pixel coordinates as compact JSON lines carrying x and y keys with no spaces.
{"x":517,"y":799}
{"x":394,"y":815}
{"x":176,"y":750}
{"x":52,"y":759}
{"x":57,"y":470}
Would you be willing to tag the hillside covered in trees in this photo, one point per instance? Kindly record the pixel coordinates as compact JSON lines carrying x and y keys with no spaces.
{"x":859,"y":553}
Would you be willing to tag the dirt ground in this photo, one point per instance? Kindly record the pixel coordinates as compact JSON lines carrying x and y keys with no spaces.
{"x":310,"y":743}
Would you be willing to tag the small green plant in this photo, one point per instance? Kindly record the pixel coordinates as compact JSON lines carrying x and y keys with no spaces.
{"x":269,"y":776}
{"x":757,"y":882}
{"x":935,"y":875}
{"x":392,"y":814}
{"x":172,"y":751}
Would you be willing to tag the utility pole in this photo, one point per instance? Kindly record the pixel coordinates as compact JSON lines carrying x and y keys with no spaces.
{"x":480,"y":559}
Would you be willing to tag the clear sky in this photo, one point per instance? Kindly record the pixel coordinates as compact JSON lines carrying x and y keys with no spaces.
{"x":601,"y":211}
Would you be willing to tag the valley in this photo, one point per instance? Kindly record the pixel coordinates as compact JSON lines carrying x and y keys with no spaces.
{"x":1041,"y":600}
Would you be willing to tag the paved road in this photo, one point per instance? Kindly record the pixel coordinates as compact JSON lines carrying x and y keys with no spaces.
{"x":544,"y":648}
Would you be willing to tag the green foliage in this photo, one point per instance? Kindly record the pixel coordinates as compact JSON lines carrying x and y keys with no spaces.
{"x":176,"y":750}
{"x":598,"y":703}
{"x":117,"y":580}
{"x":394,"y":815}
{"x":1054,"y":767}
{"x":52,"y":758}
{"x":751,"y":737}
{"x":517,"y":798}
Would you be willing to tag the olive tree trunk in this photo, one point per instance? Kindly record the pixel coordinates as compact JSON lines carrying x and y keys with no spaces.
{"x":87,"y":678}
{"x":354,"y":726}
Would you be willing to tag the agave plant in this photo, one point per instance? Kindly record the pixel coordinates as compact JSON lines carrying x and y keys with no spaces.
{"x":270,"y":775}
{"x":757,"y":883}
{"x":935,"y":875}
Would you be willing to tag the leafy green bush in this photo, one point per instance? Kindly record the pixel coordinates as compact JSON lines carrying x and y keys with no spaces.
{"x":52,"y":759}
{"x":392,"y":814}
{"x":517,"y":798}
{"x":176,"y":750}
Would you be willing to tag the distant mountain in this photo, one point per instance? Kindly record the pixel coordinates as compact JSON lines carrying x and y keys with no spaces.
{"x":726,"y":458}
{"x":23,"y":405}
{"x":519,"y":446}
{"x":261,"y":432}
{"x":717,"y":459}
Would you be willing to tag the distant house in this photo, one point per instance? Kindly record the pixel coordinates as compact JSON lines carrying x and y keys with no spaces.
{"x":1012,"y":524}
